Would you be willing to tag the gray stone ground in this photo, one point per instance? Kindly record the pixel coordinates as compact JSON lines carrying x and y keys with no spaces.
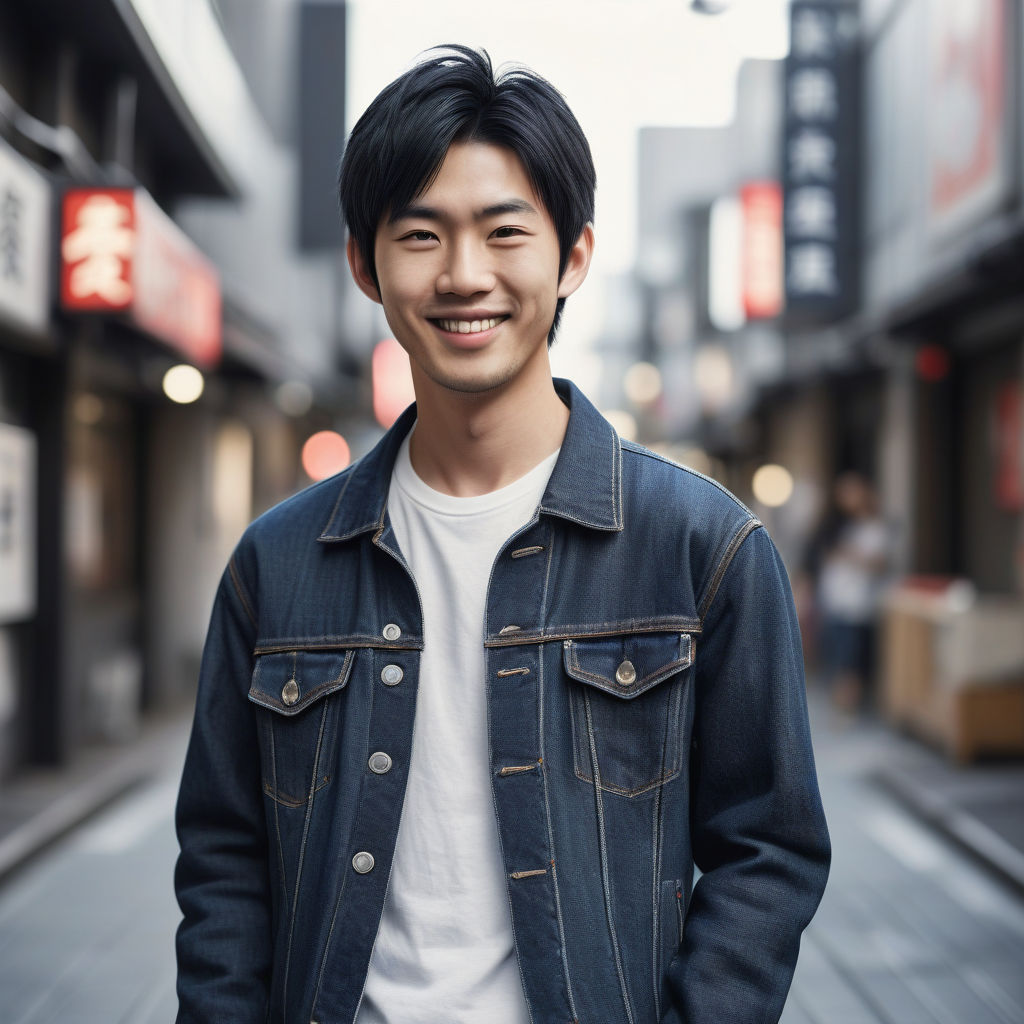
{"x":911,"y":930}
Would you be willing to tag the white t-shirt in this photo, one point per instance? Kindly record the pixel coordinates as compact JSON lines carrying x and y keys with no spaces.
{"x":444,"y":950}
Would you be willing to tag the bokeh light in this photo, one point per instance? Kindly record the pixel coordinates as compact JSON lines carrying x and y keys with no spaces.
{"x":325,"y":453}
{"x":183,"y":384}
{"x":931,"y":363}
{"x":712,"y":373}
{"x":88,"y":409}
{"x":392,"y":381}
{"x":642,"y":383}
{"x":773,"y":485}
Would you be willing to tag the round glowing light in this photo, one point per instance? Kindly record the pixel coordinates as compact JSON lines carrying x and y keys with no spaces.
{"x":624,"y":423}
{"x":183,"y":384}
{"x":88,"y":409}
{"x":324,"y":454}
{"x":392,"y":381}
{"x":932,"y":363}
{"x":642,"y":383}
{"x":773,"y":485}
{"x":712,"y":373}
{"x":294,"y":397}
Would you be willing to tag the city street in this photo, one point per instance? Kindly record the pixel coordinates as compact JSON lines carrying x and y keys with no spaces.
{"x":244,"y":244}
{"x":911,"y":931}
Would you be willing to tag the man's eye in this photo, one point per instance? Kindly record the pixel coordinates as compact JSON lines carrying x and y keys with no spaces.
{"x":508,"y":232}
{"x":419,"y":236}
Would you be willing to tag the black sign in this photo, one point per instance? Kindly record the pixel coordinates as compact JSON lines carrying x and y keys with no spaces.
{"x":820,"y":158}
{"x":321,"y":122}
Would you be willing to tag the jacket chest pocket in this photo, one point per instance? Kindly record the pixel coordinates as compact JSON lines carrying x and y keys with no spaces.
{"x":298,"y":692}
{"x":626,"y":702}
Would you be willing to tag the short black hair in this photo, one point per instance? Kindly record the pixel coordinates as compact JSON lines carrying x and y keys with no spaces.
{"x":453,"y":95}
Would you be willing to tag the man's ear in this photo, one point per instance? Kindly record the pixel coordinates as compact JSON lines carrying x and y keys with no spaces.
{"x":360,"y":271}
{"x":578,"y":263}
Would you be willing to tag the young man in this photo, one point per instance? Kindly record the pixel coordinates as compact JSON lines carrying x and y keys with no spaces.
{"x":471,"y":711}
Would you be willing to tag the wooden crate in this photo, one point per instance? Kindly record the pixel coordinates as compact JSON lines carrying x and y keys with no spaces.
{"x":965,"y":716}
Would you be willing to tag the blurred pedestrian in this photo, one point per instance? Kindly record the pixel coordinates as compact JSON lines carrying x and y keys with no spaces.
{"x":598,"y":649}
{"x":853,"y":562}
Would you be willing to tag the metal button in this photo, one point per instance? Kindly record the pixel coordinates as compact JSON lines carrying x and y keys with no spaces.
{"x":392,"y":632}
{"x":363,"y":862}
{"x":625,"y":674}
{"x":391,"y":675}
{"x":380,"y":763}
{"x":290,"y":693}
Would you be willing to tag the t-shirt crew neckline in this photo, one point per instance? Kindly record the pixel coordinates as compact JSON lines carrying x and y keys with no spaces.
{"x":453,"y":505}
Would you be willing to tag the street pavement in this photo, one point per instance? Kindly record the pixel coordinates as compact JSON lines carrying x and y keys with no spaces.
{"x":912,"y":930}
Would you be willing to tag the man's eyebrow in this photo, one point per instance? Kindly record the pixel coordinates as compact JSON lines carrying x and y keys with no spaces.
{"x":509,"y":206}
{"x":421,"y":212}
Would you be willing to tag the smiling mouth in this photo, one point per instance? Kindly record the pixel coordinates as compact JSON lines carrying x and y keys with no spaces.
{"x":468,"y":326}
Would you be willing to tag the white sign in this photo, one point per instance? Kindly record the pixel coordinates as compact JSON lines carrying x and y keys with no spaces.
{"x":24,"y":243}
{"x":17,"y":523}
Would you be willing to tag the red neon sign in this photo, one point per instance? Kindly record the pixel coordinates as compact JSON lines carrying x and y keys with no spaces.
{"x":763,"y":295}
{"x":121,"y":253}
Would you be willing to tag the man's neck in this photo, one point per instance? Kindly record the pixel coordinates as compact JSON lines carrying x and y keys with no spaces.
{"x":466,"y":444}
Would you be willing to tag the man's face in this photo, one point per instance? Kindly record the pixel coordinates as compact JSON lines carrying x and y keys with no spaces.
{"x":468,"y":273}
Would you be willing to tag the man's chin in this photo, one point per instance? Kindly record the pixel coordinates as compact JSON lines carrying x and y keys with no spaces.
{"x":475,"y":385}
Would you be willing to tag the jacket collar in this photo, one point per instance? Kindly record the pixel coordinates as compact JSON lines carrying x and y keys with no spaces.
{"x":585,"y":485}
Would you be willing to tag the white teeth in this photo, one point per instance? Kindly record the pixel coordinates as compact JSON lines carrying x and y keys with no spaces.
{"x":469,"y":326}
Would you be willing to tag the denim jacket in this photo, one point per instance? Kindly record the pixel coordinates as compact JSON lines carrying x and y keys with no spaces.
{"x":646,"y":714}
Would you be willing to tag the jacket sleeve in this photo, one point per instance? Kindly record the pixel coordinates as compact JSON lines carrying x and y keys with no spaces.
{"x":221,"y":878}
{"x":758,"y":829}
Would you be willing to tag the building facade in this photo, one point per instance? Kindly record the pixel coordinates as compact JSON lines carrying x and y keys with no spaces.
{"x":148,"y":212}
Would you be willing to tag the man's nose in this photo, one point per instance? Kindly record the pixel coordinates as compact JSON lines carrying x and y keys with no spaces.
{"x":468,"y":269}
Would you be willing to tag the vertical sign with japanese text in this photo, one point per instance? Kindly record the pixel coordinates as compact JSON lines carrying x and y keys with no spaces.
{"x":24,"y":243}
{"x":97,"y":246}
{"x":120,"y":253}
{"x":17,"y":523}
{"x":820,"y":161}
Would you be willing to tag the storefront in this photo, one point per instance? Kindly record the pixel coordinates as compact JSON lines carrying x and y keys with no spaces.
{"x":25,"y":344}
{"x":120,"y":502}
{"x":141,"y":515}
{"x":945,"y":277}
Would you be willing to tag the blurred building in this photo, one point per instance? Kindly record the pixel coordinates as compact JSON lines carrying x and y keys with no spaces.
{"x":893,"y":134}
{"x":943,"y":269}
{"x":163,"y":201}
{"x":710,"y":278}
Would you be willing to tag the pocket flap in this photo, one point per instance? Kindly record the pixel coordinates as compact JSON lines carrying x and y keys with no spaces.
{"x":627,"y":666}
{"x":289,"y":681}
